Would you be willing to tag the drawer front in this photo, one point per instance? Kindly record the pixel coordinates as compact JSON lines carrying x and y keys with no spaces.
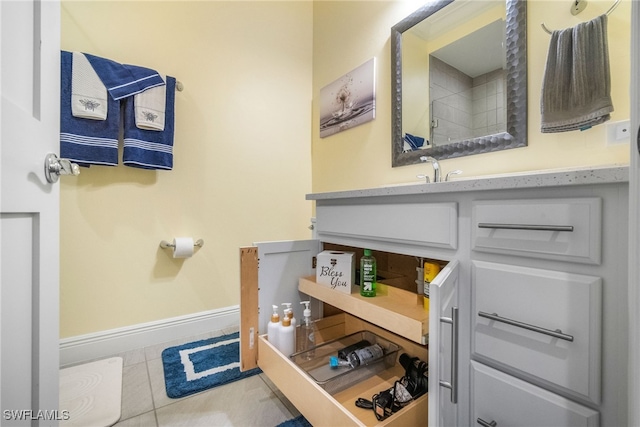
{"x":509,"y":402}
{"x":422,"y":224}
{"x":562,"y":229}
{"x":544,"y":324}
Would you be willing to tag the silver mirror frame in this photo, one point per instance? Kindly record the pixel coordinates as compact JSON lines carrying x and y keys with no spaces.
{"x":516,"y":133}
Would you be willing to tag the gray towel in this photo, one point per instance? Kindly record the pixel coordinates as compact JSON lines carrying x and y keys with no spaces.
{"x":576,"y":89}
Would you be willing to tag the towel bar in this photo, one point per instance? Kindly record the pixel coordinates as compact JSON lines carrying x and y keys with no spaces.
{"x":578,"y":7}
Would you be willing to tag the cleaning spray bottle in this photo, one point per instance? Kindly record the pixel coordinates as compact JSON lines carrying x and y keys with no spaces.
{"x":273,"y":329}
{"x":307,"y":334}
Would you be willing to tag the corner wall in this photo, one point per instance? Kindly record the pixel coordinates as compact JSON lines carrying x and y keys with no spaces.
{"x":242,"y":163}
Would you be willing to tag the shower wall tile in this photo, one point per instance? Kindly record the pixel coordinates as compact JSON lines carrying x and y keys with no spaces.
{"x":452,"y":108}
{"x":488,"y":103}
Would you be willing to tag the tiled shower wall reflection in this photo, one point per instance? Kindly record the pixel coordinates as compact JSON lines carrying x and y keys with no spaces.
{"x":464,"y":107}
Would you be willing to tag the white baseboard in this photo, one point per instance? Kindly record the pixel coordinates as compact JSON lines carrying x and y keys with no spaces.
{"x":107,"y":343}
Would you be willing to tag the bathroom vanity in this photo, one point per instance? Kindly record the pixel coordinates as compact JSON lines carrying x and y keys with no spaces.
{"x":528,"y":316}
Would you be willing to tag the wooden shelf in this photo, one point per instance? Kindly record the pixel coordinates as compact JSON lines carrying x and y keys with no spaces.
{"x":393,"y":309}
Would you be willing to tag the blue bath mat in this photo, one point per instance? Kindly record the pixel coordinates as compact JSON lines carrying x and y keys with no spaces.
{"x":298,"y":421}
{"x":201,"y":365}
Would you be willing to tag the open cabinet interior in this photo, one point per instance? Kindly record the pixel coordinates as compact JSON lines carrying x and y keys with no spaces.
{"x":396,"y":314}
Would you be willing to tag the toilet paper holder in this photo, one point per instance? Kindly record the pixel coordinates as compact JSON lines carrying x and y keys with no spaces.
{"x":164,"y":244}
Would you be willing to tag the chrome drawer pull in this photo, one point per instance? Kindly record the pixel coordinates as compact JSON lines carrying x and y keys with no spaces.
{"x":453,"y":385}
{"x":483,"y":423}
{"x":556,"y":334}
{"x":526,"y":227}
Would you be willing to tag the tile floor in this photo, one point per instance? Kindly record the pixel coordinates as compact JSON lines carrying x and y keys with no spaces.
{"x":253,"y":401}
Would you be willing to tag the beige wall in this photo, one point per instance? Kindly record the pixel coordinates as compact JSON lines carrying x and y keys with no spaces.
{"x":346,"y":34}
{"x":247,"y":141}
{"x":242,"y":161}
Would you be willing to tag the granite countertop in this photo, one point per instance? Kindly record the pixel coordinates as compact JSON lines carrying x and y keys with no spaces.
{"x":545,"y":178}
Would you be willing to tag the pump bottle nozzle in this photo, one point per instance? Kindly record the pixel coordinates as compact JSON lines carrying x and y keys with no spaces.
{"x":307,"y":311}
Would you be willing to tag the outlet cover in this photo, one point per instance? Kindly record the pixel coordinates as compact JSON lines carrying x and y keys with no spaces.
{"x":618,"y":132}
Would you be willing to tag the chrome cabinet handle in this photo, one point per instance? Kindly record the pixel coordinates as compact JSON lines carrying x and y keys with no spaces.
{"x":568,"y":228}
{"x":54,"y":167}
{"x":453,"y":385}
{"x":483,"y":423}
{"x":556,"y":334}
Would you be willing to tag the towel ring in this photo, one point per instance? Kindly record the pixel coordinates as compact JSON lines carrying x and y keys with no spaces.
{"x":578,"y":7}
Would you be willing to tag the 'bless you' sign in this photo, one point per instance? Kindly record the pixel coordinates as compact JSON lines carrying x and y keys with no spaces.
{"x":336,"y":270}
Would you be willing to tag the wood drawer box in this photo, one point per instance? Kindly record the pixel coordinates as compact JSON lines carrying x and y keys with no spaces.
{"x":560,"y":229}
{"x":323,"y":409}
{"x":508,"y":401}
{"x":421,"y":224}
{"x":551,"y":301}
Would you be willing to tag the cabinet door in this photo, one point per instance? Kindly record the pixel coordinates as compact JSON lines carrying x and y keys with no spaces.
{"x":269,"y":275}
{"x":443,"y":347}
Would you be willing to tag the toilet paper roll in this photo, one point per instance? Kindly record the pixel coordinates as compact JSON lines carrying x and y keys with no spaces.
{"x":183,"y":247}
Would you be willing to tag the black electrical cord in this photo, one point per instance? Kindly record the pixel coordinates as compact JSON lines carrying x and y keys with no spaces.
{"x":364,"y":403}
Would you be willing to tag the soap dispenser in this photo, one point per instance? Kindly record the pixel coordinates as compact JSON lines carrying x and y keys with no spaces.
{"x":288,"y":312}
{"x":287,"y":337}
{"x":273,"y":329}
{"x":306,"y":338}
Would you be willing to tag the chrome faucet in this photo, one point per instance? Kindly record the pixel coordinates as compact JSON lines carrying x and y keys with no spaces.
{"x":436,"y":168}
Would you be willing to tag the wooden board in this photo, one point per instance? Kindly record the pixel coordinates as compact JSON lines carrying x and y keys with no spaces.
{"x":248,"y":308}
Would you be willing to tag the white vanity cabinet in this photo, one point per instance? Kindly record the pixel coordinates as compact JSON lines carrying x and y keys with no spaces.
{"x":548,"y":286}
{"x":281,"y":271}
{"x":528,"y":320}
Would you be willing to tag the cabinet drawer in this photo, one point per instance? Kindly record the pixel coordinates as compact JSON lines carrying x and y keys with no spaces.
{"x":323,"y":409}
{"x":422,"y":224}
{"x":508,"y":401}
{"x":563,"y":229}
{"x":544,"y":324}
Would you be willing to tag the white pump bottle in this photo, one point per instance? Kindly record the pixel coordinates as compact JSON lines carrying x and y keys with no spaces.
{"x":273,"y":329}
{"x":287,"y":337}
{"x":288,"y":312}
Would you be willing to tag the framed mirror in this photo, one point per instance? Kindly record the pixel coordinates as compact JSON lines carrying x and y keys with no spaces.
{"x":459,"y":80}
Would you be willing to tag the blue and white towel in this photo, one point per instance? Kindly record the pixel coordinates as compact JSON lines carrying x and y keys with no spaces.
{"x":412,"y":142}
{"x":150,"y":108}
{"x":88,"y":94}
{"x":86,"y":141}
{"x":150,"y":149}
{"x":122,"y":80}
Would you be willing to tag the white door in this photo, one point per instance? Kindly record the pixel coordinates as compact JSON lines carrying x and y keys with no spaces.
{"x":29,"y":212}
{"x":443,"y":347}
{"x":634,"y":224}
